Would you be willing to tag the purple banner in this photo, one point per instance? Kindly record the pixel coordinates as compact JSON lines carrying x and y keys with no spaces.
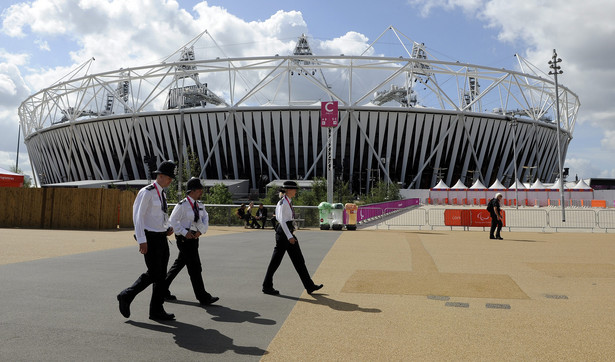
{"x":373,"y":210}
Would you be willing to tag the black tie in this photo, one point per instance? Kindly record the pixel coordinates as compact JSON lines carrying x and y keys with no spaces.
{"x":196,"y":211}
{"x":164,"y":202}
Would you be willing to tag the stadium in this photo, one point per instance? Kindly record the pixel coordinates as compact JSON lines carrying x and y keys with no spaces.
{"x":409,"y":118}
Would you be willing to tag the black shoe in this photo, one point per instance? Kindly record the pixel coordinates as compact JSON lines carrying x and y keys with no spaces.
{"x":209,"y":301}
{"x":499,"y":238}
{"x":170,"y":296}
{"x":315,"y":288}
{"x":492,"y":237}
{"x":162,"y":316}
{"x":271,"y":291}
{"x":124,"y":305}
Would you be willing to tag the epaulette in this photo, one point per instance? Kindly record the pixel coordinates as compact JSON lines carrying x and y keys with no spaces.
{"x":281,"y":202}
{"x":150,"y":187}
{"x":181,"y":202}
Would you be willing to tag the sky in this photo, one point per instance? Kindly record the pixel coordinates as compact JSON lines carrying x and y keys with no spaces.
{"x":42,"y":40}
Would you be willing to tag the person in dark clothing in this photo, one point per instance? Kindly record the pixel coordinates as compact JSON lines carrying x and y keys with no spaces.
{"x":149,"y":213}
{"x":190,"y":220}
{"x":246,"y":216}
{"x":286,"y":241}
{"x":261,"y":216}
{"x":496,"y":217}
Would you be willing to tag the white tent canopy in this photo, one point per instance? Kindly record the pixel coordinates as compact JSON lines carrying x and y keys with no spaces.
{"x":537,"y":185}
{"x":517,"y":185}
{"x":582,"y":186}
{"x":440,"y":186}
{"x":478,"y":185}
{"x":497,"y":185}
{"x":557,"y":185}
{"x":459,"y":185}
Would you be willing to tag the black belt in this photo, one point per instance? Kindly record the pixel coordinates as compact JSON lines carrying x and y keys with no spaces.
{"x":291,"y":227}
{"x":155,"y":232}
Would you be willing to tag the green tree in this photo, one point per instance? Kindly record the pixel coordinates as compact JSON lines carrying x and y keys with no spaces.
{"x":27,"y":181}
{"x":220,"y":195}
{"x":190,"y":168}
{"x":381,"y":192}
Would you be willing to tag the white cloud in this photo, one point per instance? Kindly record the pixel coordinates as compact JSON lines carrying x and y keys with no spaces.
{"x":42,"y":45}
{"x":352,"y":43}
{"x":14,"y":59}
{"x":13,"y":89}
{"x":582,"y":33}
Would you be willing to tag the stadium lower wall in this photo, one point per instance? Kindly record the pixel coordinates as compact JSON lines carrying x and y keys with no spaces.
{"x":264,"y":144}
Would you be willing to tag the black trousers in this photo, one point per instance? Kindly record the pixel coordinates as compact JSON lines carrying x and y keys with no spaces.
{"x":282,"y":245}
{"x":156,"y":260}
{"x":188,"y":257}
{"x":496,"y":226}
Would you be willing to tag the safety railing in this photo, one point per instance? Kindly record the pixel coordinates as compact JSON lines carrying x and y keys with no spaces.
{"x":522,"y":218}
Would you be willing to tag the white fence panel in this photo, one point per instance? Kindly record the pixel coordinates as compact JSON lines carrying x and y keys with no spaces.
{"x":526,"y":218}
{"x":606,"y":219}
{"x":415,"y":217}
{"x":574,"y":219}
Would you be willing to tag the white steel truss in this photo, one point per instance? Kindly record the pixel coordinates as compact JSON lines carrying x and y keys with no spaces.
{"x":401,"y":119}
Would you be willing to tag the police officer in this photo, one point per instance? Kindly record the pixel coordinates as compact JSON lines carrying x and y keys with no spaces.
{"x":149,"y":213}
{"x":190,"y":220}
{"x":285,"y":241}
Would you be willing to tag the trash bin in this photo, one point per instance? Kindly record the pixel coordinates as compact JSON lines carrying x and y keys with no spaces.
{"x":337,"y":216}
{"x":351,"y":212}
{"x":324,"y":212}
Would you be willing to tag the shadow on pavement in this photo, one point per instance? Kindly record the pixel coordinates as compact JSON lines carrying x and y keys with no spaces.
{"x":321,"y":299}
{"x":198,"y":339}
{"x":225,"y":314}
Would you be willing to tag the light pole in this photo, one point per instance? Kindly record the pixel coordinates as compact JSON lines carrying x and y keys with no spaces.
{"x":557,"y":70}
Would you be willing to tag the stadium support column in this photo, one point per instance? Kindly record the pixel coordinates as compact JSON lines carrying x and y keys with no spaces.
{"x":180,"y":151}
{"x":514,"y":124}
{"x":557,"y":70}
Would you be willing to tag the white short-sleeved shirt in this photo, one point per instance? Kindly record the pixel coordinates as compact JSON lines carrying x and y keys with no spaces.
{"x":147,"y":212}
{"x":283,"y":213}
{"x":182,"y":217}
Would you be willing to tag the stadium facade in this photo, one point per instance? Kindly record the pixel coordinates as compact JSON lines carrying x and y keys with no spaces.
{"x":408,"y":119}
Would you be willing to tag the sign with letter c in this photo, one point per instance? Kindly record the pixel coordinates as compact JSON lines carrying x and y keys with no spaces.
{"x":328,"y":114}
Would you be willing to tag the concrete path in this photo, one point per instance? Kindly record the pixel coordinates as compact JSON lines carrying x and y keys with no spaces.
{"x":388,"y":295}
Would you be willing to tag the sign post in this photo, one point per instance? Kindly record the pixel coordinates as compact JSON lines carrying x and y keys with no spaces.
{"x":329,"y":117}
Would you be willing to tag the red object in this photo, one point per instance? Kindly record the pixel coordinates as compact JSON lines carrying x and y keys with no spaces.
{"x":10,"y":179}
{"x":473,"y":217}
{"x":328,"y":114}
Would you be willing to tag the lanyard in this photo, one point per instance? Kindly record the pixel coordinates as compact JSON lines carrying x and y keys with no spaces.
{"x":291,"y":205}
{"x":163,"y":200}
{"x":196,"y":210}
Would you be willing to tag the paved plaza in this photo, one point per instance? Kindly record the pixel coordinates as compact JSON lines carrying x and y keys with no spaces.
{"x":388,"y":295}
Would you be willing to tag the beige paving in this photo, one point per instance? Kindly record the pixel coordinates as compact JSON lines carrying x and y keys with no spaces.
{"x":552,"y":297}
{"x":19,"y":245}
{"x":423,"y":295}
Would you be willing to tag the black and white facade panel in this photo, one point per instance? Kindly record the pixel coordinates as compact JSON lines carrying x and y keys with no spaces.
{"x":409,"y":120}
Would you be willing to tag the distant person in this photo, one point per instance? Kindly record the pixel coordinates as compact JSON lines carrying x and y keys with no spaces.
{"x":149,"y":213}
{"x":242,"y":214}
{"x":285,"y":241}
{"x":496,"y":216}
{"x":190,"y":220}
{"x":261,"y":216}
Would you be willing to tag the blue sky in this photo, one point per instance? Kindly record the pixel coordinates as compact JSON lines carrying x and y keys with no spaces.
{"x":42,"y":40}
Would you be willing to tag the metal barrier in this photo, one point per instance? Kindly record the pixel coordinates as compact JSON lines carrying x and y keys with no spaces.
{"x":415,"y":217}
{"x":606,"y":219}
{"x":575,"y":219}
{"x":526,"y":218}
{"x":523,"y":218}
